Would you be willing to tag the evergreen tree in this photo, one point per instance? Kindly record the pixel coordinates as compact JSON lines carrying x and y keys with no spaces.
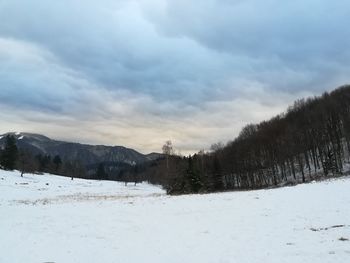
{"x":101,"y":174}
{"x":193,"y":178}
{"x":9,"y":154}
{"x":27,"y":163}
{"x":44,"y":162}
{"x":216,"y":178}
{"x":57,"y":161}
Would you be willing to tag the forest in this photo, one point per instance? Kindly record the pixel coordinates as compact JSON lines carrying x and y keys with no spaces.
{"x":310,"y":141}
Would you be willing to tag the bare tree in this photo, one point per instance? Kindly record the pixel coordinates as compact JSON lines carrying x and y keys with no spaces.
{"x":217,"y":146}
{"x":27,"y":163}
{"x":167,"y":151}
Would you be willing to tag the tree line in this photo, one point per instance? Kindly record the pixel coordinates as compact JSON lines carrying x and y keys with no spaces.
{"x":25,"y":161}
{"x":310,"y":141}
{"x":14,"y":158}
{"x":11,"y":158}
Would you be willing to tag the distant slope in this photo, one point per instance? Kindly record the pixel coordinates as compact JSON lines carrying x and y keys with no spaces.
{"x":88,"y":155}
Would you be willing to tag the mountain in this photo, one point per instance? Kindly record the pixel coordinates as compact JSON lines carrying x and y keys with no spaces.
{"x":114,"y":157}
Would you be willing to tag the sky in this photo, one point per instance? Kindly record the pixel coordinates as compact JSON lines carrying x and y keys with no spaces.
{"x":139,"y":72}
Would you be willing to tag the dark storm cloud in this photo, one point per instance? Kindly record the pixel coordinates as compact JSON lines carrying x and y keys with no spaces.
{"x":284,"y":38}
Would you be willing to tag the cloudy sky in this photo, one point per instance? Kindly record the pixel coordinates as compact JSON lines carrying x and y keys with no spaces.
{"x":139,"y":72}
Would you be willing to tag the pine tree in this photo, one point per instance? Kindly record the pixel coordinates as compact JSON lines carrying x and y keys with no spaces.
{"x":101,"y":174}
{"x":216,"y":178}
{"x":57,"y":161}
{"x":27,"y":162}
{"x":193,"y":177}
{"x":44,"y":162}
{"x":10,"y":153}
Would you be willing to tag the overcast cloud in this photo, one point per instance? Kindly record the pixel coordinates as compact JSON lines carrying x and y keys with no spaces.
{"x":139,"y":72}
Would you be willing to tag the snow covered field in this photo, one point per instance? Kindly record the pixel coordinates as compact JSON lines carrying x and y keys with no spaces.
{"x":45,"y":218}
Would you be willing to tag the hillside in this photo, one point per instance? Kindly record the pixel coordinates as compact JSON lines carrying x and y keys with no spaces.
{"x":309,"y":141}
{"x":115,"y":158}
{"x":53,"y":219}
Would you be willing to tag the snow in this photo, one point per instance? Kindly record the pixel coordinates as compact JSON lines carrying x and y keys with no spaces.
{"x":99,"y":221}
{"x":20,"y":138}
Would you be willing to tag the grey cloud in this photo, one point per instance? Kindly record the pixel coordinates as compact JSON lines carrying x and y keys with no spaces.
{"x":114,"y":46}
{"x":285,"y":37}
{"x":139,"y":72}
{"x":259,"y":27}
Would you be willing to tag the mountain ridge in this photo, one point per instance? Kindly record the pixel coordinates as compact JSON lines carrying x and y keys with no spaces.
{"x":115,"y":157}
